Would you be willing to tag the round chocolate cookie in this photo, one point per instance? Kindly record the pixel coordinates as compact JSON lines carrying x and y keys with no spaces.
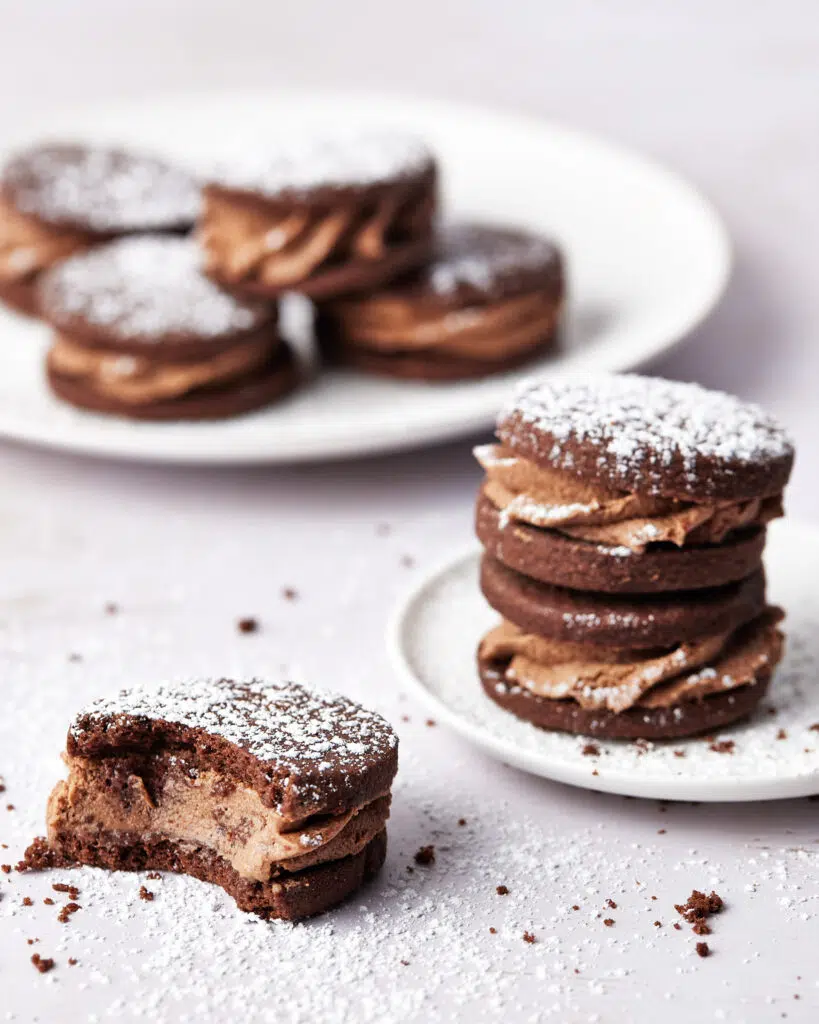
{"x":141,"y":332}
{"x":688,"y":719}
{"x":324,"y":218}
{"x":553,"y":558}
{"x":661,"y":620}
{"x":99,"y":191}
{"x":649,"y":436}
{"x":487,"y":300}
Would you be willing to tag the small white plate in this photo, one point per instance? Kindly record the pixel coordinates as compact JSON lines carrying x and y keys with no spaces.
{"x":435,"y":636}
{"x":647,"y":259}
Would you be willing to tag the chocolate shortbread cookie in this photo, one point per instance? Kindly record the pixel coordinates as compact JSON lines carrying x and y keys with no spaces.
{"x":277,"y":793}
{"x":324,"y":219}
{"x":58,"y":199}
{"x":141,"y":332}
{"x":624,"y":525}
{"x":487,"y":300}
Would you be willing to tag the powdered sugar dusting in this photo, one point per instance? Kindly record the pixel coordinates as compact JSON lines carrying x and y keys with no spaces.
{"x":304,"y":165}
{"x":482,"y":257}
{"x":146,"y":288}
{"x":101,"y":189}
{"x":644,"y":425}
{"x":285,"y":724}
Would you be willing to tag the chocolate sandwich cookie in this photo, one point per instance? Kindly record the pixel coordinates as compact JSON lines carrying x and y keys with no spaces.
{"x":631,"y":484}
{"x":624,"y":525}
{"x":58,"y":199}
{"x":141,"y":332}
{"x":324,"y":219}
{"x":276,"y":793}
{"x":694,"y":687}
{"x":487,"y":300}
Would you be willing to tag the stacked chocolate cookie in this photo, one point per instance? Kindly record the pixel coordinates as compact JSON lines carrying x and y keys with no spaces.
{"x":623,"y":520}
{"x":276,"y":793}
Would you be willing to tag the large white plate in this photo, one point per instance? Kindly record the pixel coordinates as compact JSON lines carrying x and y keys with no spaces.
{"x":647,"y":255}
{"x":435,"y":636}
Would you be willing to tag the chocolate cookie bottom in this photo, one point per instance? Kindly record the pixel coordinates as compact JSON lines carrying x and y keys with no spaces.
{"x":685,"y":719}
{"x":289,"y":897}
{"x":423,"y":366}
{"x":263,"y":386}
{"x":21,"y":296}
{"x":555,"y":558}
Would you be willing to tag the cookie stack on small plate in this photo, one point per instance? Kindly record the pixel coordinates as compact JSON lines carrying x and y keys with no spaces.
{"x":624,"y":520}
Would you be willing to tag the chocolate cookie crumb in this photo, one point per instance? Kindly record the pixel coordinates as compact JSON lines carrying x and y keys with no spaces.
{"x":661,"y":831}
{"x":608,"y":922}
{"x":430,"y":722}
{"x":248,"y":625}
{"x":658,"y":924}
{"x":28,"y":901}
{"x":145,"y":894}
{"x":723,"y":747}
{"x":814,"y":727}
{"x":699,"y":906}
{"x":49,"y":902}
{"x":575,"y":907}
{"x":72,"y":890}
{"x":701,"y":928}
{"x":153,"y":875}
{"x":5,"y":868}
{"x":43,"y":964}
{"x":502,"y":890}
{"x":590,"y":750}
{"x":40,"y":857}
{"x":677,"y":926}
{"x":67,"y":911}
{"x":703,"y":949}
{"x":679,"y":753}
{"x":72,"y":961}
{"x":290,"y":593}
{"x":528,"y":937}
{"x":493,"y":931}
{"x":610,"y":903}
{"x":461,"y":821}
{"x":782,"y":734}
{"x":425,"y":855}
{"x":9,"y":807}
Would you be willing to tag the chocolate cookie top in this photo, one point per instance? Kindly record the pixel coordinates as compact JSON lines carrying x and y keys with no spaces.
{"x":314,"y":170}
{"x":481,"y":261}
{"x":100,"y":190}
{"x":145,"y":291}
{"x":649,"y":435}
{"x":304,"y":752}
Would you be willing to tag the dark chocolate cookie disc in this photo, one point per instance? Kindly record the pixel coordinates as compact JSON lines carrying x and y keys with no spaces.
{"x":551,"y":557}
{"x":657,"y":620}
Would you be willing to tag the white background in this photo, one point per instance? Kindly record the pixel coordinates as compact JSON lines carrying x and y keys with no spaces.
{"x":727,"y":91}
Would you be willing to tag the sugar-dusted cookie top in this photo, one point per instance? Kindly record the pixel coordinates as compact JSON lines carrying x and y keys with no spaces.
{"x":143,"y":291}
{"x":482,"y":261}
{"x":304,"y":752}
{"x":100,"y":190}
{"x":312,"y":170}
{"x":649,"y":435}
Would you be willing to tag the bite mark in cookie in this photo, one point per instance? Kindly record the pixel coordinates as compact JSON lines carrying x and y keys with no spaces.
{"x":278,"y":793}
